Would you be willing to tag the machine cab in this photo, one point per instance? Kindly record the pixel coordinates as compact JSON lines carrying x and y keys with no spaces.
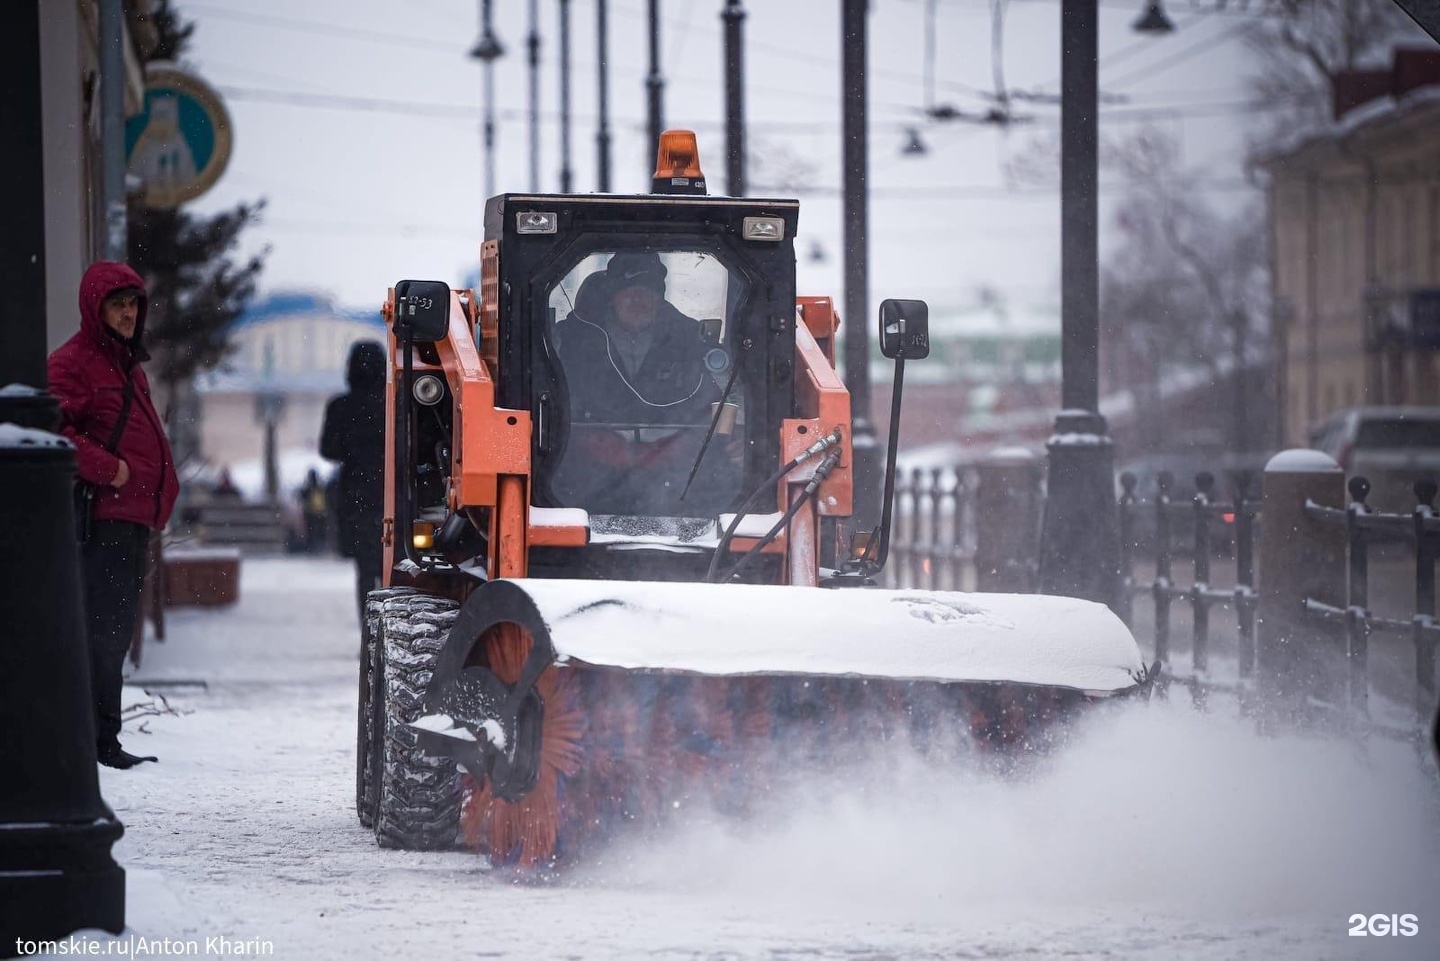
{"x":653,"y":338}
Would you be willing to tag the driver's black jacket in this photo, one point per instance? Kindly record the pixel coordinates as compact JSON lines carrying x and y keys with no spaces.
{"x":671,"y":385}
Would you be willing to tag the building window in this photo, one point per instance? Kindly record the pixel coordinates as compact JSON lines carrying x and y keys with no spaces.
{"x":1435,"y":233}
{"x":1411,"y":243}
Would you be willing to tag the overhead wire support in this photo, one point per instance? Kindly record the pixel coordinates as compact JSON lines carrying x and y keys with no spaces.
{"x":855,"y":217}
{"x":566,"y":181}
{"x":997,"y":54}
{"x":487,"y":50}
{"x":734,"y":17}
{"x":654,"y":81}
{"x":602,"y":87}
{"x":533,"y":44}
{"x":112,"y":126}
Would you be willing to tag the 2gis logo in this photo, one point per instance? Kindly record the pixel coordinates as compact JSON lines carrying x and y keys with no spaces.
{"x":1379,"y":925}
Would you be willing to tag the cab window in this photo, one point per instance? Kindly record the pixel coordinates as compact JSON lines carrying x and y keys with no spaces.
{"x":646,"y":344}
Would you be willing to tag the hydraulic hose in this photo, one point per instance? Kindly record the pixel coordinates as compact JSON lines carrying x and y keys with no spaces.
{"x":821,"y":472}
{"x":828,"y":441}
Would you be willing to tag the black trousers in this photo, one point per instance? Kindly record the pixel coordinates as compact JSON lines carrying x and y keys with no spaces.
{"x":113,"y":560}
{"x":369,"y":559}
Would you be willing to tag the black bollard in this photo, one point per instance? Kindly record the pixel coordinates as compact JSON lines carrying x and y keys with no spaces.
{"x":27,"y":407}
{"x":56,"y":872}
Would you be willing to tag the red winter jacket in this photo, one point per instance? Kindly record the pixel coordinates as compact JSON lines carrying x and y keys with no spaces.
{"x":87,"y":373}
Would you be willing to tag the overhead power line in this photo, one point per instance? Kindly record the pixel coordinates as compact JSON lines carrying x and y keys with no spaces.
{"x":323,"y":29}
{"x":1177,"y":57}
{"x":989,"y":192}
{"x":469,"y":112}
{"x":394,"y":228}
{"x":939,"y":193}
{"x":790,"y":53}
{"x":459,"y":111}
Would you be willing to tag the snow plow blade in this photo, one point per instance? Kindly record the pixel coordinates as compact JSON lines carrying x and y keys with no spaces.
{"x":576,"y":708}
{"x":730,"y":629}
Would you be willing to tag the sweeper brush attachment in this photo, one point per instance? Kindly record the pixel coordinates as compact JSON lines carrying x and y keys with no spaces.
{"x":578,"y":709}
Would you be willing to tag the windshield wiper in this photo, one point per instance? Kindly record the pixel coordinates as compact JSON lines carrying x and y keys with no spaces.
{"x":714,"y":420}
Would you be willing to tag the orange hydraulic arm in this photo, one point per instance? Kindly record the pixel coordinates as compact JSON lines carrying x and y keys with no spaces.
{"x":490,"y":459}
{"x":824,"y":407}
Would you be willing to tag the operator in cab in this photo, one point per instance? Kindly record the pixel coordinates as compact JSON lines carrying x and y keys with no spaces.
{"x":641,"y":396}
{"x":630,"y":356}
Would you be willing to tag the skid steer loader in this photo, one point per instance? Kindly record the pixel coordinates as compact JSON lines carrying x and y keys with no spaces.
{"x":619,"y":578}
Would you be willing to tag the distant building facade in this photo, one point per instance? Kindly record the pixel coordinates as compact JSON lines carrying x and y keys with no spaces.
{"x":1355,"y":215}
{"x":289,"y":359}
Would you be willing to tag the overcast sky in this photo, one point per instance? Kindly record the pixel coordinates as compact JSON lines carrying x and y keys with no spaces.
{"x":359,"y":121}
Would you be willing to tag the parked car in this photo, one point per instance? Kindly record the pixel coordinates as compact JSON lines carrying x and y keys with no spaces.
{"x":1391,"y":447}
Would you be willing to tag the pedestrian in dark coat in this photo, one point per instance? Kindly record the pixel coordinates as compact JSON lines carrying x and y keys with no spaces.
{"x":134,"y":480}
{"x":354,"y":435}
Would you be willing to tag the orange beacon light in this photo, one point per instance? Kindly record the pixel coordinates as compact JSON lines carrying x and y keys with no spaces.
{"x":677,"y":165}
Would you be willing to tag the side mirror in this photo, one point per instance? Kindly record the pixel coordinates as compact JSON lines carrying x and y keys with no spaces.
{"x":904,"y":335}
{"x":422,"y":309}
{"x":905,"y":329}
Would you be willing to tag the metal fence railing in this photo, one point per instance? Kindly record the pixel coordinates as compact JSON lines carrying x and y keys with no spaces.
{"x":969,"y":527}
{"x":933,"y":543}
{"x":1194,"y":563}
{"x":1205,"y":530}
{"x":1419,"y":531}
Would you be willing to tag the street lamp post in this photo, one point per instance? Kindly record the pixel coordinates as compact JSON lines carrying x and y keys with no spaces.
{"x":566,"y":181}
{"x":655,"y":85}
{"x":487,"y":50}
{"x":112,"y":125}
{"x":857,"y":281}
{"x":1080,"y":549}
{"x":533,"y":44}
{"x":734,"y":17}
{"x":602,"y":87}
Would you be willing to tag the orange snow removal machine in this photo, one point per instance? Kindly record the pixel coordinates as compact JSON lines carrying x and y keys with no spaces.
{"x":619,"y":580}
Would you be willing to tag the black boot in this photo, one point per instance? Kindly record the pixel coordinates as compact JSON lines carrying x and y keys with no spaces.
{"x":113,"y":755}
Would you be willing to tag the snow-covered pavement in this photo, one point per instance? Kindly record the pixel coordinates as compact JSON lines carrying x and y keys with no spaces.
{"x":1159,"y":834}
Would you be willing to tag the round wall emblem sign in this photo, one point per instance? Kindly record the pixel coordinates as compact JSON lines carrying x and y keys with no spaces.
{"x":180,"y":143}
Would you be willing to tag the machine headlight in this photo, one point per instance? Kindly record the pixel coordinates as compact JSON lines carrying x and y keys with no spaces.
{"x":536,"y":222}
{"x":429,"y":389}
{"x":763,"y":228}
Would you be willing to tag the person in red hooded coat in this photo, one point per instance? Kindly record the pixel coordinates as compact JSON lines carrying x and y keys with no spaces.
{"x":135,"y":485}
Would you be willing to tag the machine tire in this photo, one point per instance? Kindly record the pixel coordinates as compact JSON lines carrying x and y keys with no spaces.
{"x":417,"y":804}
{"x":368,"y":727}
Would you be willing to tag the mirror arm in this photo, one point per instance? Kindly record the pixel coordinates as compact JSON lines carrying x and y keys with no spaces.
{"x":882,"y":534}
{"x":405,"y":524}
